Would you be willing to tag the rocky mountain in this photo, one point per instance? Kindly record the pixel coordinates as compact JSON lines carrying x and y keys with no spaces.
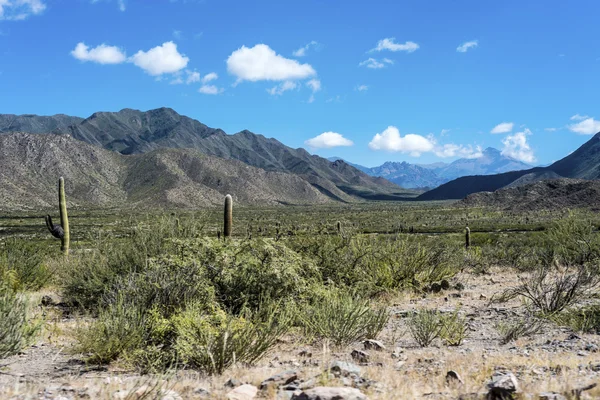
{"x":547,"y":194}
{"x":416,"y":176}
{"x":135,"y":132}
{"x":30,"y":165}
{"x":584,"y":163}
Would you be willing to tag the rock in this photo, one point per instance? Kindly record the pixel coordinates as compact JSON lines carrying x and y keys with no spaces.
{"x":482,"y":297}
{"x":551,"y":396}
{"x":591,"y":347}
{"x":201,"y":393}
{"x":453,"y":378}
{"x":280,"y":379}
{"x":330,"y":393}
{"x":244,"y":392}
{"x":399,"y":365}
{"x":305,"y":353}
{"x":232,"y":382}
{"x":502,"y":386}
{"x":47,"y":301}
{"x":398,"y":353}
{"x":360,"y":356}
{"x":344,"y":368}
{"x":371,"y":344}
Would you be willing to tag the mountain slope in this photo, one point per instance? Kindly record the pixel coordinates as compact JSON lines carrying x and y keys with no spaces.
{"x":549,"y":194}
{"x":407,"y":175}
{"x":135,"y":132}
{"x":584,"y":163}
{"x":35,"y":123}
{"x":491,"y":162}
{"x":30,"y":165}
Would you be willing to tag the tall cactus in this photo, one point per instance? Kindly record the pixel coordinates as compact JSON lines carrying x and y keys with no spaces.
{"x":228,"y":221}
{"x":64,"y":218}
{"x":467,"y":238}
{"x":338,"y":226}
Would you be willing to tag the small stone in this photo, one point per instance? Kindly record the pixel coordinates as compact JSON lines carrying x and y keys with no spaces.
{"x":398,"y":352}
{"x":344,"y":368}
{"x":551,"y":396}
{"x":371,"y":344}
{"x":201,"y":393}
{"x":502,"y":386}
{"x":232,"y":382}
{"x":330,"y":393}
{"x":398,"y":366}
{"x":244,"y":392}
{"x":591,"y":347}
{"x":360,"y":356}
{"x":453,"y":378}
{"x":482,"y":297}
{"x":280,"y":379}
{"x":305,"y":353}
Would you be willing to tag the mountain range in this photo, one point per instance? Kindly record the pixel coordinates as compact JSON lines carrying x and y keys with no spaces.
{"x":417,"y":176}
{"x":583,"y":163}
{"x":160,"y":157}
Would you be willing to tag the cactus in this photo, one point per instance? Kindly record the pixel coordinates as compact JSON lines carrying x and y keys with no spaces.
{"x":467,"y":238}
{"x":228,"y":220}
{"x":61,"y":231}
{"x":338,"y":226}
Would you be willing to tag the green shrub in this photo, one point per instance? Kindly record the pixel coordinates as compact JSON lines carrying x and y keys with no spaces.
{"x":26,"y":261}
{"x":248,"y":273}
{"x":342,"y":317}
{"x":212,"y":341}
{"x":15,"y":331}
{"x":514,"y":329}
{"x":425,"y":326}
{"x":585,"y":319}
{"x":119,"y":328}
{"x":454,"y":328}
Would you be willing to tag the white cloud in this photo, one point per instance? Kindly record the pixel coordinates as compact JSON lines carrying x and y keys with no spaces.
{"x":278,"y":90}
{"x":390,"y":140}
{"x":516,"y":147}
{"x":101,"y":54}
{"x":444,"y":132}
{"x":314,"y":85}
{"x":210,"y":77}
{"x":373,"y":63}
{"x":463,"y":48}
{"x":327,"y":140}
{"x":178,"y":80}
{"x":261,"y":63}
{"x":458,"y":150}
{"x":301,"y":52}
{"x":192,"y":77}
{"x":210,"y":89}
{"x":160,"y":60}
{"x":504,"y":127}
{"x":18,"y":10}
{"x":121,"y":5}
{"x":362,"y":88}
{"x":578,"y":117}
{"x":389,"y":44}
{"x":588,"y":126}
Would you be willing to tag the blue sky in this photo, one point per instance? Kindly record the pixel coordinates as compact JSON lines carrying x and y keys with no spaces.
{"x":421,"y":81}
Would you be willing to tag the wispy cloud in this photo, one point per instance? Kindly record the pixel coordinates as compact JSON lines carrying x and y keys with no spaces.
{"x":362,"y":88}
{"x":374,"y":63}
{"x":210,"y":89}
{"x":504,"y":127}
{"x":282,"y":88}
{"x":391,"y":45}
{"x":301,"y":52}
{"x":463,"y":48}
{"x":578,"y":117}
{"x":18,"y":10}
{"x":209,"y":77}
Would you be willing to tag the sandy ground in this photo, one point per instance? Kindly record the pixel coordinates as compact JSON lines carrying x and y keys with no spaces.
{"x":554,"y":359}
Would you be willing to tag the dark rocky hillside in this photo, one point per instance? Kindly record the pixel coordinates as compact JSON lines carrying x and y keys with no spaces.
{"x":135,"y":132}
{"x":584,"y":163}
{"x":30,"y":165}
{"x":548,"y":194}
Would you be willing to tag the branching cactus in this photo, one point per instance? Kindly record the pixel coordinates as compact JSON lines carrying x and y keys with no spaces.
{"x":467,"y":238}
{"x":228,"y":222}
{"x":61,"y":231}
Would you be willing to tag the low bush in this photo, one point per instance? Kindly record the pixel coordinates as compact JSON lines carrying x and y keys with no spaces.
{"x":15,"y":330}
{"x":585,"y":319}
{"x":512,"y":330}
{"x":342,"y":317}
{"x":454,"y":328}
{"x":25,"y":261}
{"x":425,"y":326}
